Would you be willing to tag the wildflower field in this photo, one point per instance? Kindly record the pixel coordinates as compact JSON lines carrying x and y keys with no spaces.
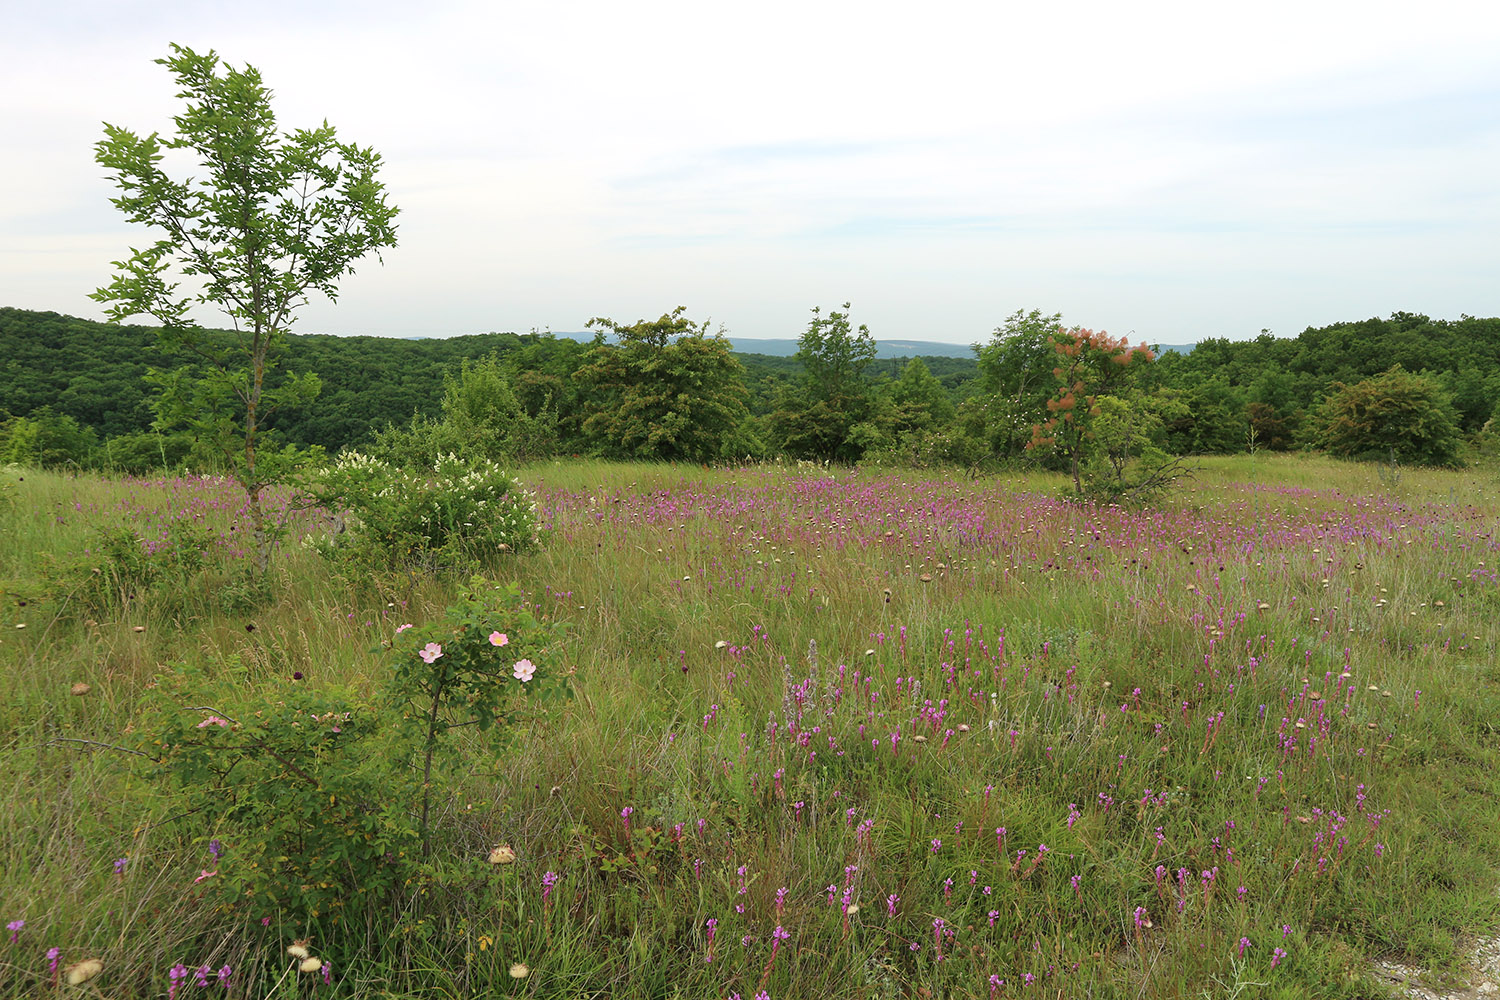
{"x":812,"y":733}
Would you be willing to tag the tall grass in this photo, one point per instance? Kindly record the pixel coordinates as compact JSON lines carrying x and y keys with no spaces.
{"x":1254,"y":726}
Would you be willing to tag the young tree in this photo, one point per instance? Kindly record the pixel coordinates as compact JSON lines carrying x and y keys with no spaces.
{"x":1087,"y":366}
{"x":919,"y":400}
{"x":1015,"y":378}
{"x":273,"y":218}
{"x":669,"y":390}
{"x":833,"y":413}
{"x":835,"y":355}
{"x":482,"y":420}
{"x":45,"y":440}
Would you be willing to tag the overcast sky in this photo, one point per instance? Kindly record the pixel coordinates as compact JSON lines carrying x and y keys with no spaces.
{"x":1169,"y":171}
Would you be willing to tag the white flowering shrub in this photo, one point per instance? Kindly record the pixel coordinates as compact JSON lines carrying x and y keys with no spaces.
{"x":446,"y":516}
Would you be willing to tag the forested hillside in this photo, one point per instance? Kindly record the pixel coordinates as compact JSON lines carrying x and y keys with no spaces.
{"x":1289,"y":373}
{"x":94,"y":372}
{"x":75,"y":391}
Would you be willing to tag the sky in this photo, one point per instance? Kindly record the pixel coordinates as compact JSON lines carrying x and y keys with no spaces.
{"x":1164,"y":171}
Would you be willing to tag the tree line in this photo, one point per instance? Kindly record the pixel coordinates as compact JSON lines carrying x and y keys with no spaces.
{"x":76,"y":392}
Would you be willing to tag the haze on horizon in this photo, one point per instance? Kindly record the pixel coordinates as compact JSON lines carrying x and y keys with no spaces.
{"x":1166,"y":171}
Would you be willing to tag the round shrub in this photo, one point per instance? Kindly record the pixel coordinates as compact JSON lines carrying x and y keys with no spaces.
{"x":1395,"y":413}
{"x":445,"y":516}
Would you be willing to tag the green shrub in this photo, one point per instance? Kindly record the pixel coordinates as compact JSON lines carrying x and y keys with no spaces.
{"x":310,"y":820}
{"x":45,"y":440}
{"x":448,"y":516}
{"x":121,"y":566}
{"x":1395,"y":415}
{"x":139,"y":452}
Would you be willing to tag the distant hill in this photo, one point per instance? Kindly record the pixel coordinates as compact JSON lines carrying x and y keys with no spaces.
{"x":785,"y":348}
{"x":883,"y":348}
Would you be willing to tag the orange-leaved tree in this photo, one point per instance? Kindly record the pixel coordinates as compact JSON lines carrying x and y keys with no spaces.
{"x":1089,"y":365}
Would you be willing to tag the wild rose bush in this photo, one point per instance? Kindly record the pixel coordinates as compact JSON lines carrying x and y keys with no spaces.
{"x":446,"y":516}
{"x":471,"y":668}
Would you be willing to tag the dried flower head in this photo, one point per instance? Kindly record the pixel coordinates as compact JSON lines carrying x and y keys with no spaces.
{"x":519,"y":971}
{"x":310,"y":964}
{"x":81,"y":972}
{"x":298,"y":948}
{"x":502,"y":855}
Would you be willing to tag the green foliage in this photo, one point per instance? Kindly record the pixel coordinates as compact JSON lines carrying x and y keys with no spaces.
{"x":1269,"y":429}
{"x":924,"y":430}
{"x":1394,"y":414}
{"x":482,"y":419}
{"x":669,"y":390}
{"x":1207,"y":418}
{"x":920,"y":401}
{"x":89,"y":371}
{"x":1124,"y":460}
{"x":448,"y":515}
{"x":1015,"y":371}
{"x":95,"y":372}
{"x":834,"y":414}
{"x":45,"y":440}
{"x":295,"y":783}
{"x":273,"y":219}
{"x":1293,"y":374}
{"x":121,"y":568}
{"x":139,"y":452}
{"x":1475,"y":394}
{"x":481,"y":407}
{"x":834,"y":355}
{"x":415,"y":444}
{"x":312,"y":792}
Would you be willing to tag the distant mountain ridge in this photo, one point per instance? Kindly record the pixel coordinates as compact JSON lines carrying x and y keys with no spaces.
{"x":786,"y":347}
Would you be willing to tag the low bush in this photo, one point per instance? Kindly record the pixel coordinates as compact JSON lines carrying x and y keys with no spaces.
{"x":448,"y":516}
{"x":313,"y":802}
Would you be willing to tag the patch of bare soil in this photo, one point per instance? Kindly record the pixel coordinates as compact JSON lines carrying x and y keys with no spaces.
{"x":1481,"y":976}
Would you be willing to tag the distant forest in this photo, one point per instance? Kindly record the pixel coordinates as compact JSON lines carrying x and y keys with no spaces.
{"x":88,"y":379}
{"x":95,"y":373}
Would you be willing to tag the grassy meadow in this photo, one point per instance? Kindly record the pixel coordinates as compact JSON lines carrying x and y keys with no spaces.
{"x":832,"y":734}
